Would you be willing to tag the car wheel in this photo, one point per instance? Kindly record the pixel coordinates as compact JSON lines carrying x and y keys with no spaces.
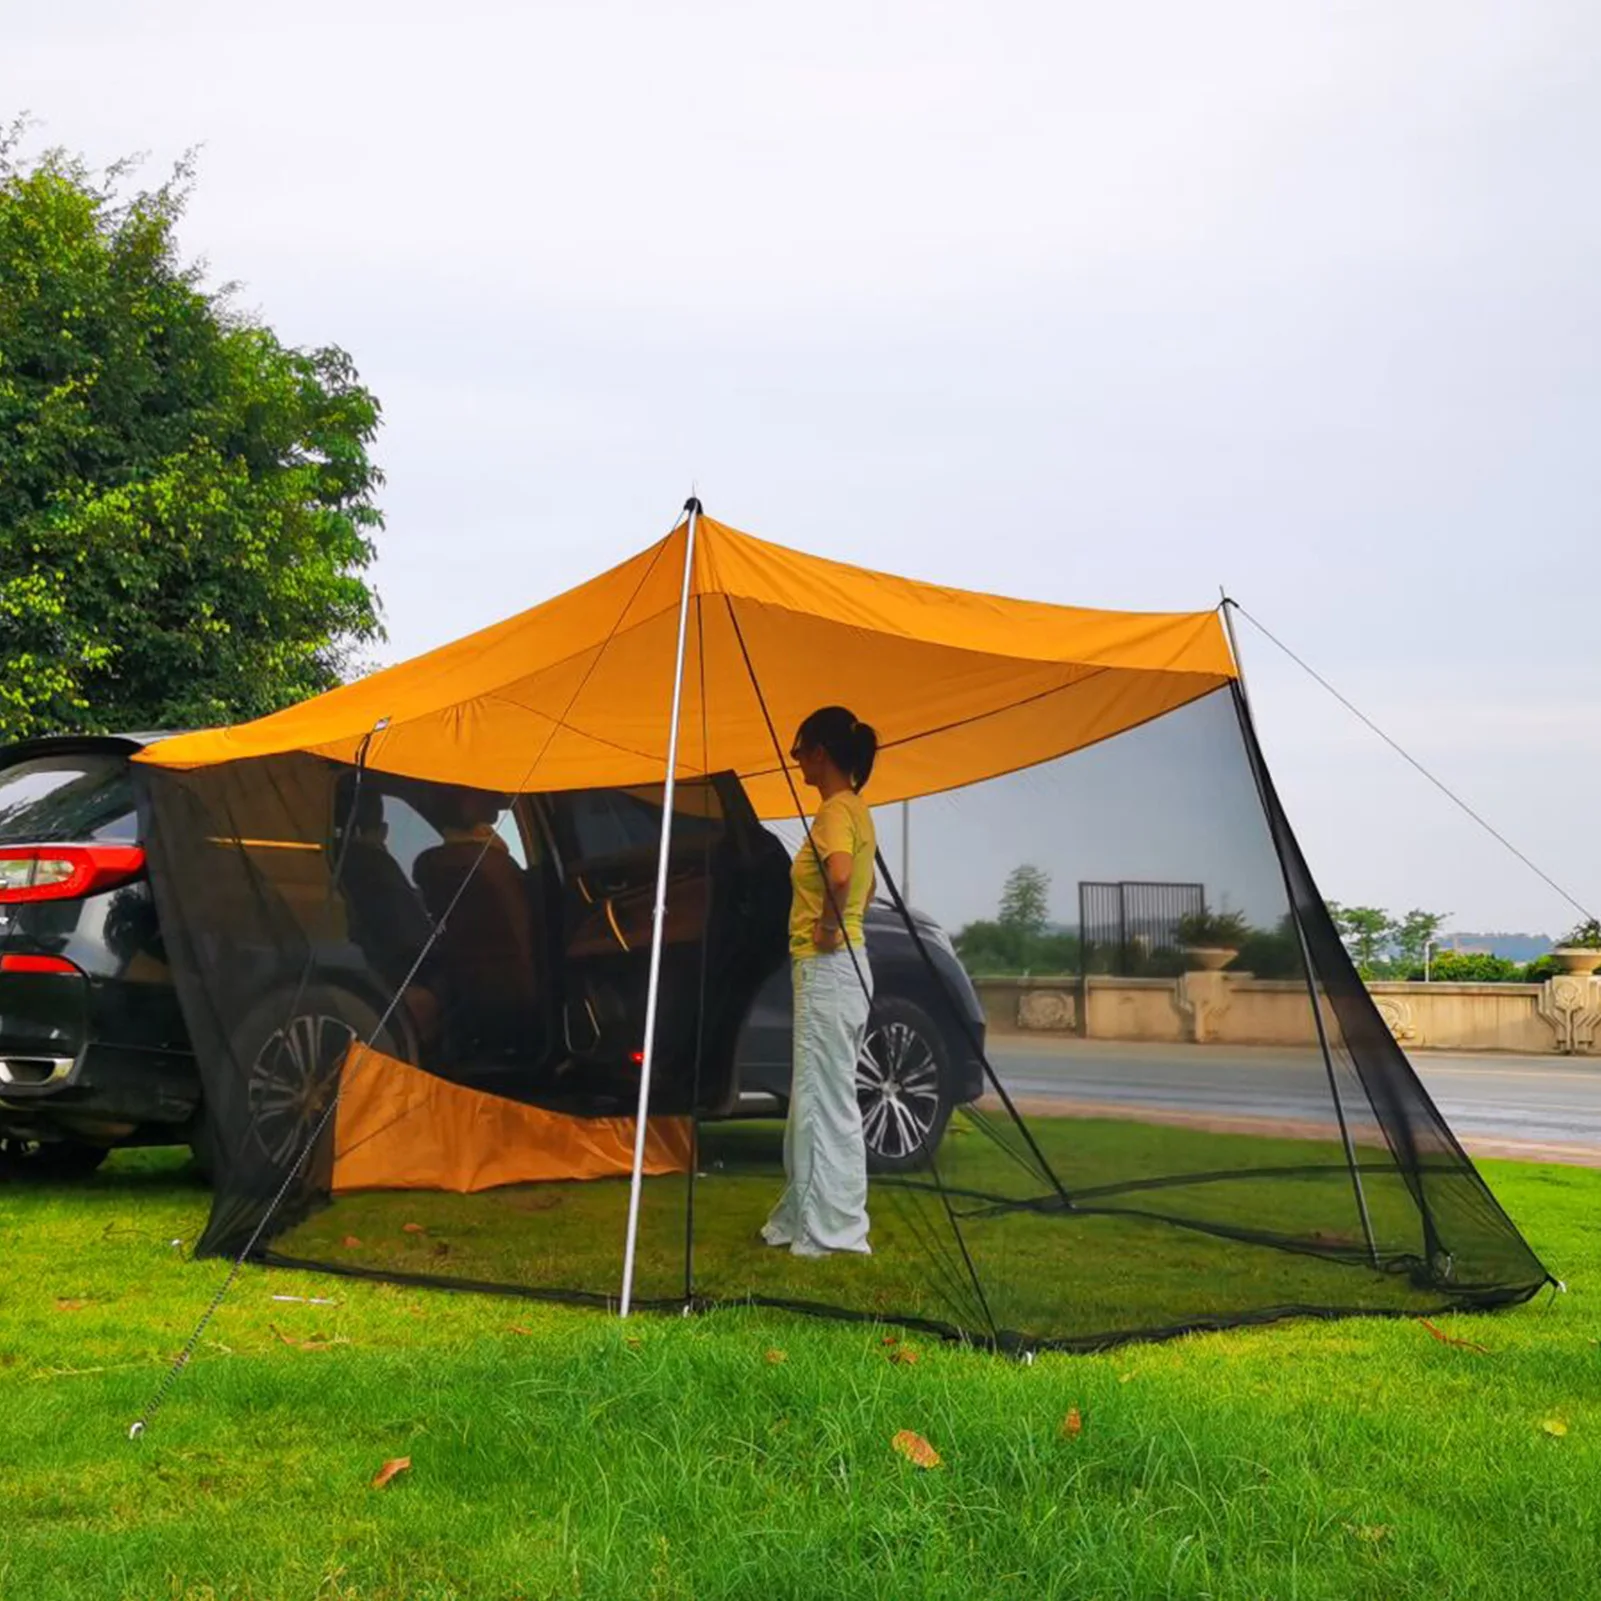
{"x":291,"y":1050}
{"x":902,"y":1086}
{"x":49,"y":1159}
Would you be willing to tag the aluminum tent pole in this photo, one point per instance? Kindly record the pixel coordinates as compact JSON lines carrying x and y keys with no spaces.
{"x":659,"y":919}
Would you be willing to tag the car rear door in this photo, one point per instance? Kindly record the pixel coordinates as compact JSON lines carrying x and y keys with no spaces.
{"x":720,"y":923}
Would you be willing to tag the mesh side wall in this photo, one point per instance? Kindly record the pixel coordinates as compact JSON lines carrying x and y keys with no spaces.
{"x":1131,"y":1136}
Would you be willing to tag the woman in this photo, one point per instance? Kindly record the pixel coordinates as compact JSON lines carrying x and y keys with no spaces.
{"x":824,"y":1205}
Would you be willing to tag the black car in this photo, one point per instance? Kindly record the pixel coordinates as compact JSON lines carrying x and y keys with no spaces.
{"x":551,"y":944}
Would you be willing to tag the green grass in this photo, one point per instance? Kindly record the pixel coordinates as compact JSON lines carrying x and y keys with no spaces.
{"x":1074,"y":1277}
{"x":559,"y":1453}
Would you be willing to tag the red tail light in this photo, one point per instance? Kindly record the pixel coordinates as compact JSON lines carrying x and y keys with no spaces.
{"x":37,"y":964}
{"x":637,"y":1058}
{"x":65,"y":872}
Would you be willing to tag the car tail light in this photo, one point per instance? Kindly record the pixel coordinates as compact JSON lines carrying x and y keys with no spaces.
{"x":38,"y":964}
{"x":65,"y":872}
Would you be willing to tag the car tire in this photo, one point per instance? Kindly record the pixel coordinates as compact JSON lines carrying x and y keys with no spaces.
{"x":289,"y":1049}
{"x":50,"y":1161}
{"x":902,"y":1086}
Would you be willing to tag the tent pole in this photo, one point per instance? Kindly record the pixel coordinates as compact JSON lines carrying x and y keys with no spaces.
{"x":1311,"y":980}
{"x":659,"y":922}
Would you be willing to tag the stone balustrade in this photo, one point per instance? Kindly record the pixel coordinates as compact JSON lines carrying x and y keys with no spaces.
{"x":1562,"y":1015}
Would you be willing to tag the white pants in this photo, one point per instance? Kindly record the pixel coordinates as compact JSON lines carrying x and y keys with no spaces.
{"x":824,"y":1205}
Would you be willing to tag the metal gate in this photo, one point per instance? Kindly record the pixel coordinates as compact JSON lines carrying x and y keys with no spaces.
{"x":1121,"y":926}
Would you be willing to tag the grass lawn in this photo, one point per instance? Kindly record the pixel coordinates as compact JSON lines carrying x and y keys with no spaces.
{"x":558,"y":1453}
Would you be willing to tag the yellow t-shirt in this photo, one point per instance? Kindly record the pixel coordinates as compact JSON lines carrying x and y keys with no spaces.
{"x":843,"y":825}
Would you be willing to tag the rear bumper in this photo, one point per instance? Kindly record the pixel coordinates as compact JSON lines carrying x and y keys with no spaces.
{"x":57,"y":1080}
{"x":105,"y":1094}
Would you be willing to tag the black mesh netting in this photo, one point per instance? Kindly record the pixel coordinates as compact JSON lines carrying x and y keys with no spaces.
{"x":1163,"y":1101}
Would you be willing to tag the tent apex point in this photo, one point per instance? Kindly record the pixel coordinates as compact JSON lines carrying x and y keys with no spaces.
{"x":694,"y":507}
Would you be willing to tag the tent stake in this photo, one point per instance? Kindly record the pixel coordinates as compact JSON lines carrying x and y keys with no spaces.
{"x":1244,"y":703}
{"x":659,"y":919}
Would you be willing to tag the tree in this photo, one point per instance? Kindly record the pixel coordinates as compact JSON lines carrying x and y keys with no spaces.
{"x":1366,"y":931}
{"x":1412,"y":934}
{"x":1025,"y":900}
{"x":186,"y":505}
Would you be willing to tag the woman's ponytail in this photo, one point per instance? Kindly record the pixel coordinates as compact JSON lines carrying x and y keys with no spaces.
{"x":865,"y":738}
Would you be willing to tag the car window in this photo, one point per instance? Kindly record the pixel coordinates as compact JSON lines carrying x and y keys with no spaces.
{"x":407,"y":832}
{"x":55,"y":800}
{"x":611,"y":822}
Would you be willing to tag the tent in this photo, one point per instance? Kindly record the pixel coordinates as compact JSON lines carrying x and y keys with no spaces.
{"x":483,"y":961}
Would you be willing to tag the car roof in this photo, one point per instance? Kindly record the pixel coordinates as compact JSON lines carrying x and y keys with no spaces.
{"x":45,"y":744}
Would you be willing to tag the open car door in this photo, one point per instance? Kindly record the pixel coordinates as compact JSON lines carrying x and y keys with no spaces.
{"x":725,"y":922}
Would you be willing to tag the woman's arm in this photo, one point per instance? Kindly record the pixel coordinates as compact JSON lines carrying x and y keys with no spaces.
{"x":828,"y":935}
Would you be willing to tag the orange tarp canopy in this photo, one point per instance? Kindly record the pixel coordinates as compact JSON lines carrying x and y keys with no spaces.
{"x":576,"y":693}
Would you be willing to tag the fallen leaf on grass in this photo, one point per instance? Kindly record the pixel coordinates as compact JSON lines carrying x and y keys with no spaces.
{"x":903,"y":1354}
{"x":1072,"y":1424}
{"x":1123,"y":1378}
{"x":1555,"y":1427}
{"x":890,"y":1339}
{"x":1451,"y":1339}
{"x":519,"y":1328}
{"x":412,"y":1228}
{"x":633,"y":1342}
{"x":915,"y":1449}
{"x":314,"y":1342}
{"x":350,"y":1242}
{"x":391,"y":1470}
{"x":775,"y":1357}
{"x":1373,"y":1533}
{"x":66,"y":1304}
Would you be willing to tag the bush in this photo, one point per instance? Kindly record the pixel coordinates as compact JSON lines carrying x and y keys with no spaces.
{"x":1270,"y":952}
{"x":1207,"y":929}
{"x":1469,"y":967}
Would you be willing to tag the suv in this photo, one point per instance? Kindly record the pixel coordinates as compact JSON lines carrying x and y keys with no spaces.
{"x":555,"y":932}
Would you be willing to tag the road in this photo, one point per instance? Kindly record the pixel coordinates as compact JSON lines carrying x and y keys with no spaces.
{"x":1541,"y":1108}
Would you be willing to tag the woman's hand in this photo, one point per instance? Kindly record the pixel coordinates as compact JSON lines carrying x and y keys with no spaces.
{"x":827,"y":937}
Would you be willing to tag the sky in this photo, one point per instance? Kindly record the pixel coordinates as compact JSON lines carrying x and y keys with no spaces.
{"x":1104,"y":305}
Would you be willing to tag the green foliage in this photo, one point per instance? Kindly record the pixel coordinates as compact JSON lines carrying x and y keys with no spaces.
{"x":1215,"y":930}
{"x":996,"y":948}
{"x":1412,"y":934}
{"x":1383,"y":946}
{"x":1586,"y":936}
{"x":1025,"y":900}
{"x":1541,"y":969}
{"x":1019,"y":940}
{"x":186,"y":505}
{"x":1468,"y":967}
{"x":1366,"y":931}
{"x":1271,"y":952}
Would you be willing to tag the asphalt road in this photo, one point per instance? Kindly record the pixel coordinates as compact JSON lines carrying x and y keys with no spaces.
{"x":1538,"y":1107}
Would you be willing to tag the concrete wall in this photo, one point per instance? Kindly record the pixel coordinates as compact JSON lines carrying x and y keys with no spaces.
{"x":1561,"y":1015}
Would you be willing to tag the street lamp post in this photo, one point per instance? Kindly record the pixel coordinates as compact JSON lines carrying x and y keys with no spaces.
{"x":906,"y":851}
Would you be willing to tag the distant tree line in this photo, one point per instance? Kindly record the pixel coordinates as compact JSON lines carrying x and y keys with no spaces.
{"x":1021,"y":940}
{"x":1387,"y":947}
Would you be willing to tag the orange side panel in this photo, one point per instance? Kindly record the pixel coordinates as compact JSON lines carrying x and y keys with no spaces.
{"x":399,"y":1128}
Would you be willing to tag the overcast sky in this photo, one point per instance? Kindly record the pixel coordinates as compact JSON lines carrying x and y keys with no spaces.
{"x":1108,"y":305}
